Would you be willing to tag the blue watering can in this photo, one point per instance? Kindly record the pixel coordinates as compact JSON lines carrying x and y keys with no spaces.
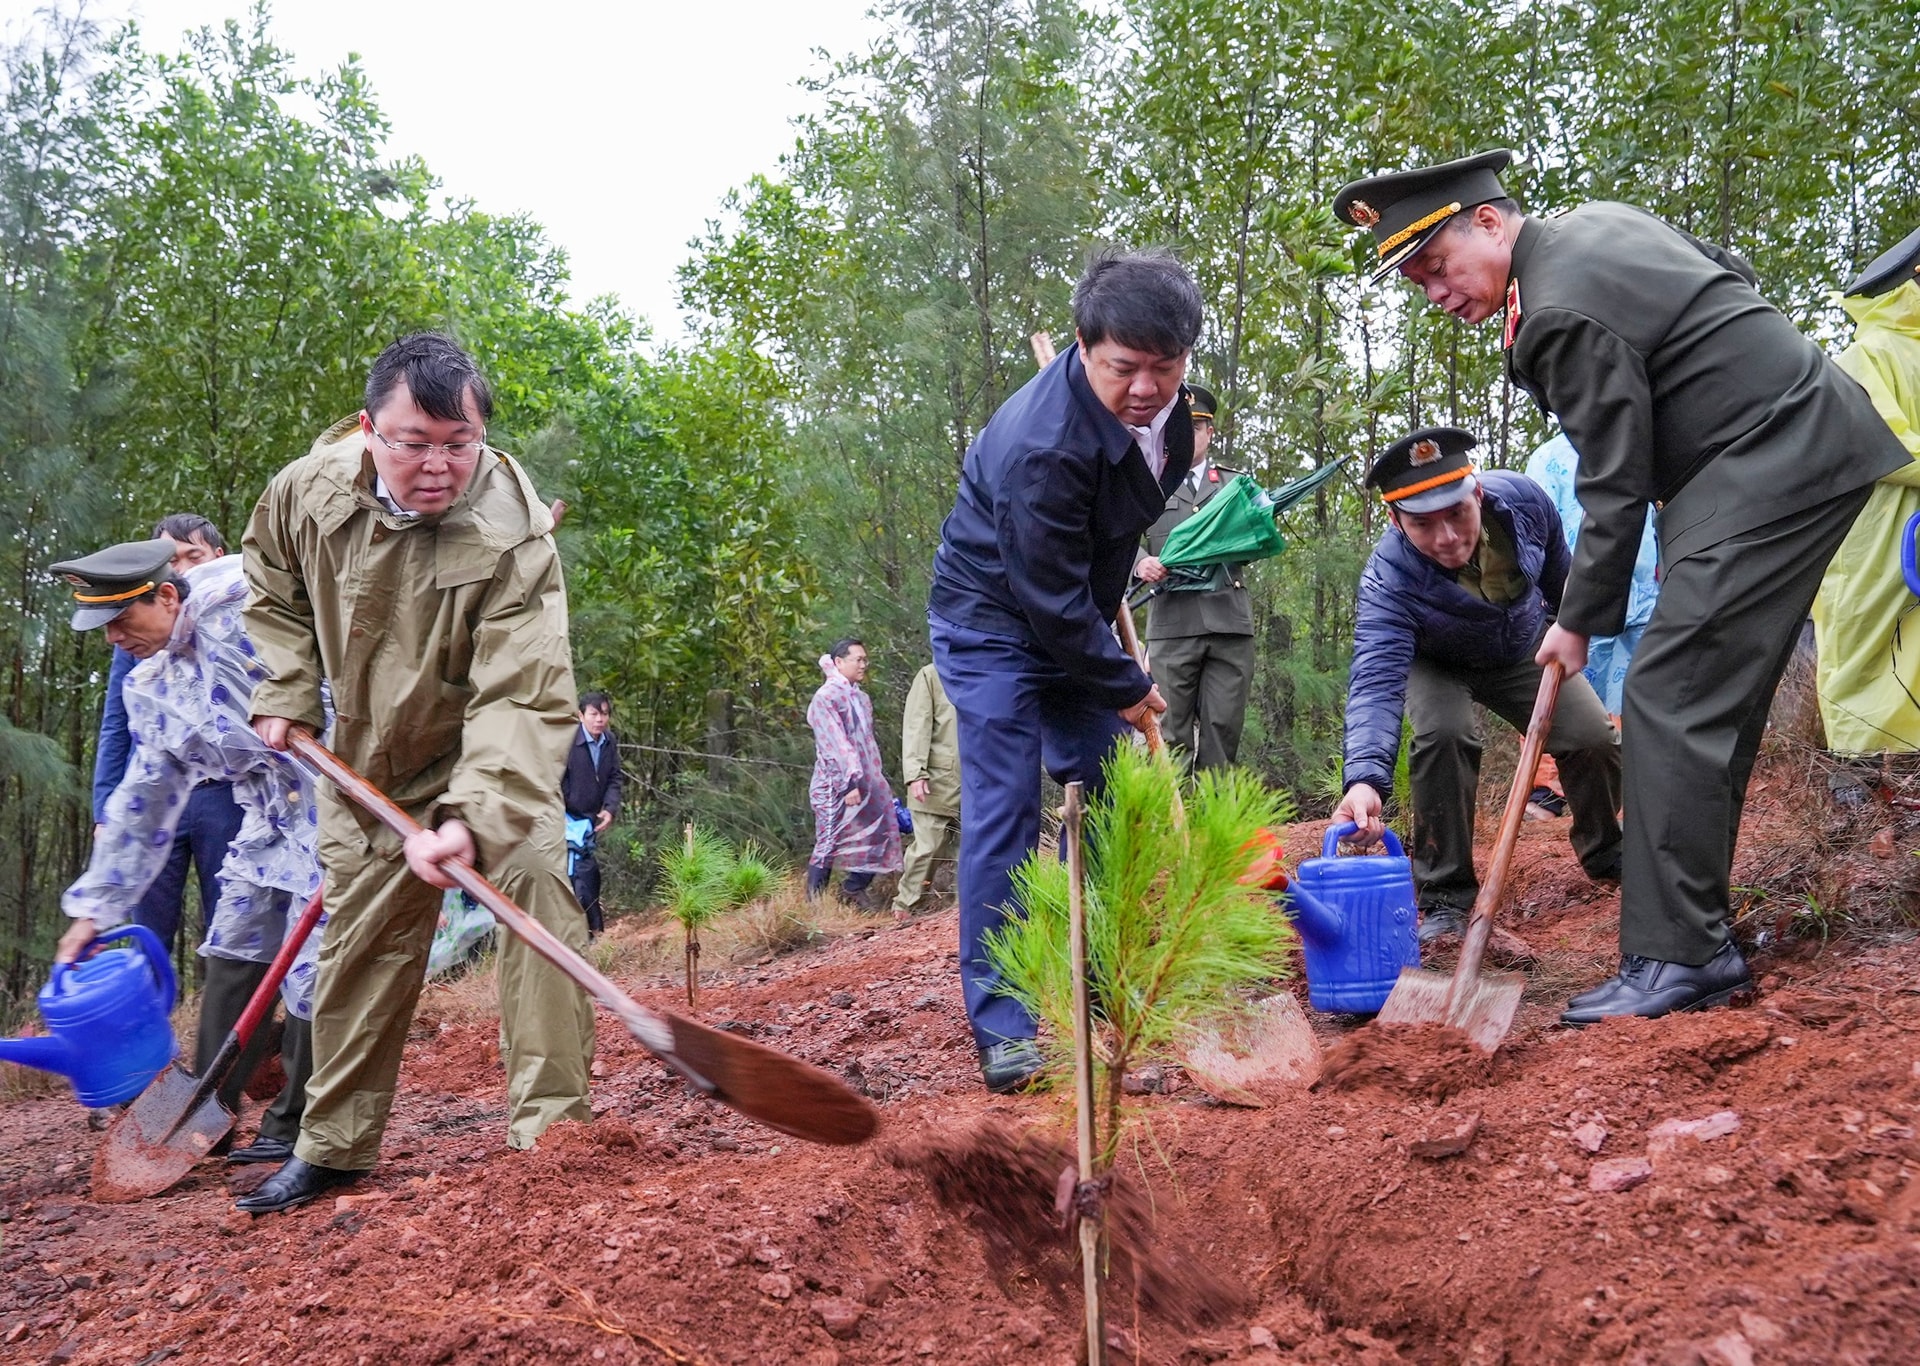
{"x":1357,"y":922}
{"x":1909,"y":569}
{"x":107,"y":1026}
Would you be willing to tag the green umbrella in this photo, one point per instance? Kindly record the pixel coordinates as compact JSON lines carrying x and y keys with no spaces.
{"x":1232,"y":527}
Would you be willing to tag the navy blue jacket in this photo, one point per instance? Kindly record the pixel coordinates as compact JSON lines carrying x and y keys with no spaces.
{"x":1054,"y":496}
{"x":116,"y":744}
{"x":1411,"y":606}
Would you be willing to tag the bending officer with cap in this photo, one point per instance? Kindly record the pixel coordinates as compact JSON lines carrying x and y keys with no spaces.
{"x":1453,"y":602}
{"x":1679,"y":386}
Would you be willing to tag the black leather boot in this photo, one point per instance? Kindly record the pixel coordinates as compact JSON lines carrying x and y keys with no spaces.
{"x":1650,"y":987}
{"x":294,"y":1185}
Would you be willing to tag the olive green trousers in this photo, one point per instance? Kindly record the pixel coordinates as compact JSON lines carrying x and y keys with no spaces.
{"x":372,"y":966}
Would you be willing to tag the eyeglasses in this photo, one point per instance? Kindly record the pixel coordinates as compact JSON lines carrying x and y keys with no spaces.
{"x":414,"y":452}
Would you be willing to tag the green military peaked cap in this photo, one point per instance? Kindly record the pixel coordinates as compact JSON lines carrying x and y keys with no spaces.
{"x":1200,"y":404}
{"x":109,"y":581}
{"x":1404,"y":209}
{"x":1427,"y":470}
{"x":1890,"y":269}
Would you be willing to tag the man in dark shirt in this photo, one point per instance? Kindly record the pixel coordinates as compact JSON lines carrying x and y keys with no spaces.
{"x":1033,"y":562}
{"x":591,"y":789}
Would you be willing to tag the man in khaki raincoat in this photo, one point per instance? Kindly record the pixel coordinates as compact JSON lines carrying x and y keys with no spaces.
{"x":409,"y":565}
{"x":930,"y":762}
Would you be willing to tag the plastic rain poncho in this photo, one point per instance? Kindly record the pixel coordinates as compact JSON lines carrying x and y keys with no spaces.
{"x":1868,"y":640}
{"x":187,"y":716}
{"x":864,"y":838}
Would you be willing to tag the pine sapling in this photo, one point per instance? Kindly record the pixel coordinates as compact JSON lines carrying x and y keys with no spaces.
{"x":695,"y":876}
{"x":1177,"y":931}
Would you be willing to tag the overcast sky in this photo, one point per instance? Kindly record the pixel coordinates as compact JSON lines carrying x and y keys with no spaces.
{"x":617,"y":125}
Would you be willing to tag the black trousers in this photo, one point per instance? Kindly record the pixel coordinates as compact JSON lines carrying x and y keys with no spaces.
{"x":586,"y":888}
{"x":229,"y":986}
{"x":1445,"y":769}
{"x":1693,"y":714}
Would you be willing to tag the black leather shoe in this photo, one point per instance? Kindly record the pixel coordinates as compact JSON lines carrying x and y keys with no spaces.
{"x":1012,"y":1065}
{"x":294,"y":1185}
{"x":1437,"y":922}
{"x":1650,"y":988}
{"x":263,"y":1149}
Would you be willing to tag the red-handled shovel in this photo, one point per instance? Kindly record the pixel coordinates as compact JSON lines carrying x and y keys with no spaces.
{"x":176,"y":1121}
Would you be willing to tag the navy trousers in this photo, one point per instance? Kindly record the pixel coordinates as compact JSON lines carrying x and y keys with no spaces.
{"x":209,"y":825}
{"x":1017,"y":712}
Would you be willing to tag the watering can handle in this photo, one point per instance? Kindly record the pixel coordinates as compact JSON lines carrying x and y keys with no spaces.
{"x":1909,"y":569}
{"x":1330,"y":846}
{"x":150,"y":945}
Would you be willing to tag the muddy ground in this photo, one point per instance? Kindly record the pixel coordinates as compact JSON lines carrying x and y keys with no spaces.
{"x":1731,"y":1187}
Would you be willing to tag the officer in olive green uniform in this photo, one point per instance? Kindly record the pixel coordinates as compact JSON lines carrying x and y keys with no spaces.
{"x":1680,"y":386}
{"x":1200,"y":640}
{"x":409,"y":565}
{"x":930,"y":763}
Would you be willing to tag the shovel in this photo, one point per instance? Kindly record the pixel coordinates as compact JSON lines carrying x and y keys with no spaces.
{"x":781,"y":1092}
{"x":1481,"y":1007}
{"x":179,"y":1117}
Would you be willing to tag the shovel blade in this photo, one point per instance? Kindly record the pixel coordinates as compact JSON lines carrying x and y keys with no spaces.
{"x":137,"y":1158}
{"x":765,"y":1084}
{"x":1483,"y":1008}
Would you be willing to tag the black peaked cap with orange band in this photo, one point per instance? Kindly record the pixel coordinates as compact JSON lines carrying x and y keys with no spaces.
{"x":1890,"y":269}
{"x":1426,"y":470}
{"x":109,"y":581}
{"x":1404,"y":209}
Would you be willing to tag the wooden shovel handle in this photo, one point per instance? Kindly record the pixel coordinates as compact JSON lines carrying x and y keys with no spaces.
{"x":652,"y":1030}
{"x":1473,"y":946}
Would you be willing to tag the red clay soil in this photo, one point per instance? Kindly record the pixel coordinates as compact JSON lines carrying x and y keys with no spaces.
{"x":1736,"y":1186}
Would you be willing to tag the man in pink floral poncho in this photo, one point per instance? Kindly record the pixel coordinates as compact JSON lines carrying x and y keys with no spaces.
{"x":854,"y":821}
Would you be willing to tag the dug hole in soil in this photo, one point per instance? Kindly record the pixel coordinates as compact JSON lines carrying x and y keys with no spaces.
{"x":1735,"y":1186}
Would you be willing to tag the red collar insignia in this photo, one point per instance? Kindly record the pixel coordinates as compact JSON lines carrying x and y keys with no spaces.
{"x":1513,"y":314}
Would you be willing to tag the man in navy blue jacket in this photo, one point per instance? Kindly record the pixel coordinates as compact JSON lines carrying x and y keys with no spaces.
{"x":1453,"y":602}
{"x":1032,"y":565}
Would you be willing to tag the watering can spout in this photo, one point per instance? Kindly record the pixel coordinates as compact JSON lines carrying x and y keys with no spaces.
{"x":1319,"y":924}
{"x":47,"y":1054}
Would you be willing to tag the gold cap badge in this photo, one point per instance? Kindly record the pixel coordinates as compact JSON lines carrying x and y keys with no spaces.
{"x":1423,"y":453}
{"x":1363,"y":214}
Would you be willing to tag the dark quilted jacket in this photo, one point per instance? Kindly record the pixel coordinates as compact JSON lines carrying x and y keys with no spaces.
{"x":1411,"y":606}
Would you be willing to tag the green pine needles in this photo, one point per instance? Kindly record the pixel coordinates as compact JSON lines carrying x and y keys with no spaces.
{"x":695,"y":875}
{"x":1173,"y":935}
{"x":752,"y":878}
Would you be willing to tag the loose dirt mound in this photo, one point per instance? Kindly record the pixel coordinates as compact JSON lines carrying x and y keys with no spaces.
{"x":1420,"y":1062}
{"x":1007,"y":1183}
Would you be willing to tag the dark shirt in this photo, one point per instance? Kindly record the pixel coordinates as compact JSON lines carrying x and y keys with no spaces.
{"x":593,"y":784}
{"x":1054,"y":495}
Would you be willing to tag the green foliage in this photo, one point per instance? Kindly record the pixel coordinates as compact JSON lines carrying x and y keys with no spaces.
{"x":752,"y":878}
{"x":1172,"y":933}
{"x":694,"y":878}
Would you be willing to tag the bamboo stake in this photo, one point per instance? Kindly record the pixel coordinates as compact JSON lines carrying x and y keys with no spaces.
{"x":693,"y":940}
{"x":1091,"y":1223}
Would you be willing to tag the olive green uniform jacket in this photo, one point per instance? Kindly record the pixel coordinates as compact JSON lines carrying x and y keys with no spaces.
{"x":443,"y":640}
{"x":1680,"y":386}
{"x":930,"y":745}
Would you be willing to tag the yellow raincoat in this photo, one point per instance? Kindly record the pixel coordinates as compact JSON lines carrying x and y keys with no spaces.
{"x":444,"y":641}
{"x":1867,"y":683}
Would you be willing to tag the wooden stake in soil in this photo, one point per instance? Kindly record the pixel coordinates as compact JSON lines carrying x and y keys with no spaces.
{"x":1091,"y":1223}
{"x":693,"y":940}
